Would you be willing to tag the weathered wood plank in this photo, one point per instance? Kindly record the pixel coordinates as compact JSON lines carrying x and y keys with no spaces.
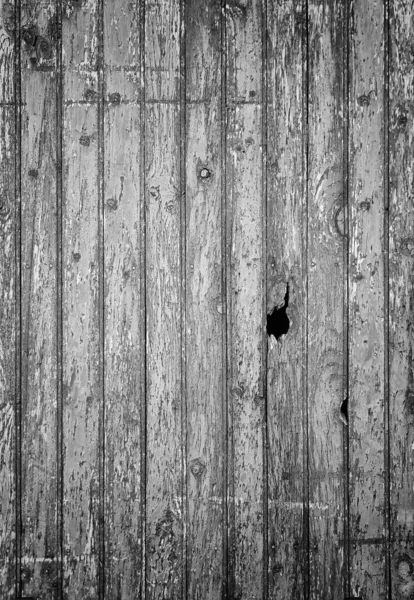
{"x":82,"y":401}
{"x":366,"y":302}
{"x":124,"y":304}
{"x":162,"y":50}
{"x":245,"y":220}
{"x":401,"y":284}
{"x":205,"y":307}
{"x":165,"y":503}
{"x":285,"y":273}
{"x":8,"y":277}
{"x":325,"y":262}
{"x":122,"y":45}
{"x":38,"y":252}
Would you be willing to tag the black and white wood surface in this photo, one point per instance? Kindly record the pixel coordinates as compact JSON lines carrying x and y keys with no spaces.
{"x":206,"y":299}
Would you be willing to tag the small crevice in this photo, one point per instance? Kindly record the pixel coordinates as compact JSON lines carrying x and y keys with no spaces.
{"x":277,"y":321}
{"x":344,"y":411}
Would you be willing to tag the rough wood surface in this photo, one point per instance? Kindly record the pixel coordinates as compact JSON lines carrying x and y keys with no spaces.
{"x":124,"y":302}
{"x":8,"y":299}
{"x":245,"y":292}
{"x":165,"y":501}
{"x":82,"y":401}
{"x":401,"y":282}
{"x":205,"y":303}
{"x":286,"y":196}
{"x":325,"y":292}
{"x":366,"y":302}
{"x":38,"y":255}
{"x":203,"y":165}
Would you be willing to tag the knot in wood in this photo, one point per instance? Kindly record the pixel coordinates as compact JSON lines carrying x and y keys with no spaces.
{"x":85,"y":140}
{"x":76,"y":256}
{"x":155,"y":191}
{"x":363,"y":100}
{"x":115,"y":98}
{"x":112,"y":204}
{"x":29,"y":36}
{"x":45,"y":48}
{"x":33,"y":173}
{"x":402,"y":120}
{"x":90,"y":95}
{"x":404,"y":566}
{"x":197,"y":467}
{"x":365,"y":205}
{"x":205,"y":173}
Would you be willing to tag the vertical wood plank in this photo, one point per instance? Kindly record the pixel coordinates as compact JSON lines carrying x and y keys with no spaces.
{"x":124,"y":340}
{"x":8,"y":274}
{"x":38,"y":255}
{"x":245,"y":293}
{"x":401,"y":283}
{"x":205,"y":302}
{"x":366,"y":302}
{"x":285,"y":273}
{"x":165,"y":503}
{"x":325,"y":300}
{"x":81,"y":343}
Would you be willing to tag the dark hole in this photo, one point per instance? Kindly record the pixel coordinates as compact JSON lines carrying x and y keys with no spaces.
{"x":344,"y":411}
{"x":277,"y":320}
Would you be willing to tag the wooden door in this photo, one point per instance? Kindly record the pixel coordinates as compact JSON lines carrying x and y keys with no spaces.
{"x":207,"y":236}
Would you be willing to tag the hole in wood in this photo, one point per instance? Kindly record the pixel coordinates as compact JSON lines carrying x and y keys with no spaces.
{"x":277,"y":321}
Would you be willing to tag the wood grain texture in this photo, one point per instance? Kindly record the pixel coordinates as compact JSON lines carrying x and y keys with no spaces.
{"x":165,"y":501}
{"x":8,"y":276}
{"x":38,"y":255}
{"x":218,"y":163}
{"x":122,"y":47}
{"x":286,"y":197}
{"x":401,"y":282}
{"x":205,"y":303}
{"x":366,"y":298}
{"x":325,"y":293}
{"x":81,"y":402}
{"x":124,"y":303}
{"x":245,"y":210}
